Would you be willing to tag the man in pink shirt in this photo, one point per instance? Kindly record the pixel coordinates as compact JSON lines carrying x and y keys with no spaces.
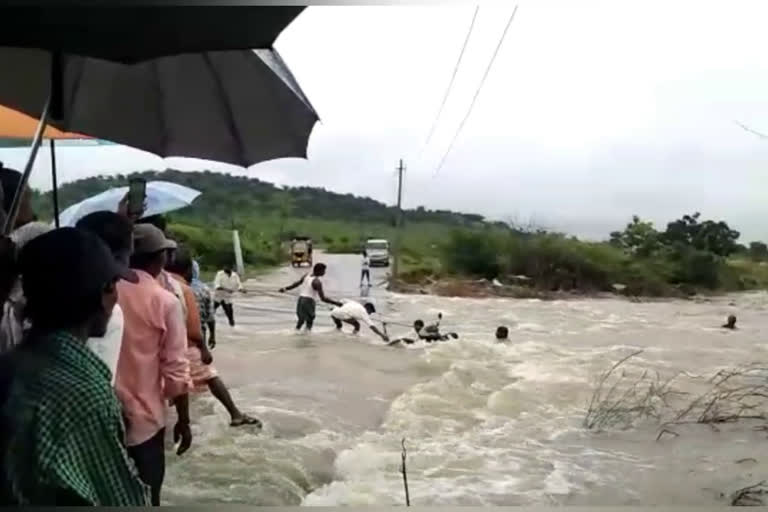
{"x":153,"y":366}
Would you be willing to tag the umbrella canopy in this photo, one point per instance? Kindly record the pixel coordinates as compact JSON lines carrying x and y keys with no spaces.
{"x":162,"y":197}
{"x":130,"y":33}
{"x":17,"y":129}
{"x":240,"y":107}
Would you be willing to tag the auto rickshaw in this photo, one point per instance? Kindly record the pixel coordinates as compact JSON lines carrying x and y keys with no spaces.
{"x":301,"y":251}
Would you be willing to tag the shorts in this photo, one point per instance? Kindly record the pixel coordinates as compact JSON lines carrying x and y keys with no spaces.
{"x":200,"y":373}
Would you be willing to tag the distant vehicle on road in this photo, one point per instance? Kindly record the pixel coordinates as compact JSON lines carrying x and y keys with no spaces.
{"x":301,"y":251}
{"x":378,"y":252}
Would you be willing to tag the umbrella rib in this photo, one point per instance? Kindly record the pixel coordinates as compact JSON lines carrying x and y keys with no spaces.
{"x":231,"y":115}
{"x":161,"y":110}
{"x":75,"y":89}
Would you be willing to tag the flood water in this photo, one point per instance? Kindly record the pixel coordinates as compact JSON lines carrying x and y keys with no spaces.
{"x":485,"y":423}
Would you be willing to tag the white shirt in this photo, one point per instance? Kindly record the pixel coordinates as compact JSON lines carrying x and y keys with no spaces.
{"x":366,"y":262}
{"x":229,"y":283}
{"x":351,"y":310}
{"x":108,"y":346}
{"x":306,"y":289}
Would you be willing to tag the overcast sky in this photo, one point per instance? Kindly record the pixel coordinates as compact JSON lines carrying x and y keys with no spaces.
{"x":593,"y":111}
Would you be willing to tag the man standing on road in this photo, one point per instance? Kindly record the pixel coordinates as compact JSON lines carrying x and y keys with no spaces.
{"x":311,"y":289}
{"x":226,"y":283}
{"x":366,"y":270}
{"x":354,"y":314}
{"x":153,"y":365}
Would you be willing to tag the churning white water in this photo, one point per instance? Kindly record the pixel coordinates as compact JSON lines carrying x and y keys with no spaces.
{"x":484,"y":423}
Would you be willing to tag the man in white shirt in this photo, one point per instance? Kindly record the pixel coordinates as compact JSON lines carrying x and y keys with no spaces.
{"x":354,"y":314}
{"x":226,"y":283}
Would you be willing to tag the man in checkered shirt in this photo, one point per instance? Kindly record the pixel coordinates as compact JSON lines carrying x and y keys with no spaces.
{"x":61,"y":429}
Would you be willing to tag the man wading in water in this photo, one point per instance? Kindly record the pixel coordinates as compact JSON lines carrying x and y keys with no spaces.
{"x":311,"y":290}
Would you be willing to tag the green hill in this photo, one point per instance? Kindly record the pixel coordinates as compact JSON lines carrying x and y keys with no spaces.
{"x":265,"y":215}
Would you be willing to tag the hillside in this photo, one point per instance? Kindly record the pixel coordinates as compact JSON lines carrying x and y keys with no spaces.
{"x":226,"y":198}
{"x":265,"y":214}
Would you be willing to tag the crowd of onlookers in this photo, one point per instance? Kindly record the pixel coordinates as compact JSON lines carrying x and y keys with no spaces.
{"x":104,"y":327}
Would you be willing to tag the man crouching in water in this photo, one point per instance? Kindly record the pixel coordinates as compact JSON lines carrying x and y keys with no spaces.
{"x":311,"y":290}
{"x":354,"y":314}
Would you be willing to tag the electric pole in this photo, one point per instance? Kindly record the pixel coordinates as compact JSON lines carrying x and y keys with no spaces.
{"x":399,"y":222}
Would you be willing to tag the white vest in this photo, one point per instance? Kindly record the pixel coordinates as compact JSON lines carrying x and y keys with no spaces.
{"x":306,"y":289}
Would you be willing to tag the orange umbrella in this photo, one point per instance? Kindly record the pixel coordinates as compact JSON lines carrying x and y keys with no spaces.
{"x":18,"y":130}
{"x":15,"y":125}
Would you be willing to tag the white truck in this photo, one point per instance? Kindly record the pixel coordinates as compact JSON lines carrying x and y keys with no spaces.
{"x":378,"y":252}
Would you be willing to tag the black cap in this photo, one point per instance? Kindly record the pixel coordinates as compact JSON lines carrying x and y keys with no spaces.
{"x":69,"y":260}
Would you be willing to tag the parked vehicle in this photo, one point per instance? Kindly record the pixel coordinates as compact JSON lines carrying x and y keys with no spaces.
{"x":378,"y":252}
{"x":301,"y":251}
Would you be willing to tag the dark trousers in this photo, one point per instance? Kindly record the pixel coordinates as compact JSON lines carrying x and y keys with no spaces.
{"x":149,"y":458}
{"x":228,"y":310}
{"x":305,"y":311}
{"x":365,"y":274}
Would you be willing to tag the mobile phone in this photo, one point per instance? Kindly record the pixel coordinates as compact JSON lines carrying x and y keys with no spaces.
{"x":137,"y":194}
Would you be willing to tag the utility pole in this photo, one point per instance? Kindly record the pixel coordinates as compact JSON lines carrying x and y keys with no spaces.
{"x":398,"y":233}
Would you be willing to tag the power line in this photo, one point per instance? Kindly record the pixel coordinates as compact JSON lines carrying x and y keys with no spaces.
{"x":750,"y":130}
{"x":477,"y":92}
{"x":453,"y":78}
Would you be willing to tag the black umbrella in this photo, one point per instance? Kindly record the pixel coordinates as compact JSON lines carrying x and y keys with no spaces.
{"x":126,"y":34}
{"x":240,"y":107}
{"x":130,"y":33}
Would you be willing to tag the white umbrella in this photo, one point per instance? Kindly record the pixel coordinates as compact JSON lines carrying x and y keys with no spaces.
{"x":162,"y":197}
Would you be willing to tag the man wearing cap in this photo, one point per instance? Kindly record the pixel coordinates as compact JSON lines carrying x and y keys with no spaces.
{"x":354,"y":314}
{"x":153,"y":366}
{"x":61,"y":431}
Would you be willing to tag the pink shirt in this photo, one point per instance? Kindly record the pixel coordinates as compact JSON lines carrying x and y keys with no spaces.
{"x":153,"y":366}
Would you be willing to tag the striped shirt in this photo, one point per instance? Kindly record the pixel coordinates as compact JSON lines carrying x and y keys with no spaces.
{"x":62,"y":438}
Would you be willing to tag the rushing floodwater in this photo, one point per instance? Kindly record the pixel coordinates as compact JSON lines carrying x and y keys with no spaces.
{"x":486,"y":423}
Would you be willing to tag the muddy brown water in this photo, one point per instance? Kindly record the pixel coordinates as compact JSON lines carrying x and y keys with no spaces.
{"x":486,"y":424}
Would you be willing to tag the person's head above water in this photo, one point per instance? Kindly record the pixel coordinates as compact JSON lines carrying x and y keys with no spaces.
{"x":731,"y":322}
{"x":502,"y":333}
{"x":319,"y":270}
{"x":418,"y":325}
{"x":370,"y":308}
{"x":228,"y":269}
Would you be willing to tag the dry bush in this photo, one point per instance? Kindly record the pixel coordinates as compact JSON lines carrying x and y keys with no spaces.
{"x":622,"y":397}
{"x":752,"y":496}
{"x":734,"y":394}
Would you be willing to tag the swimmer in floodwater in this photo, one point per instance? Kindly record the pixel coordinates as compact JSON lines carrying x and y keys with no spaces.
{"x":731,"y":323}
{"x":429,"y":333}
{"x":502,"y":334}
